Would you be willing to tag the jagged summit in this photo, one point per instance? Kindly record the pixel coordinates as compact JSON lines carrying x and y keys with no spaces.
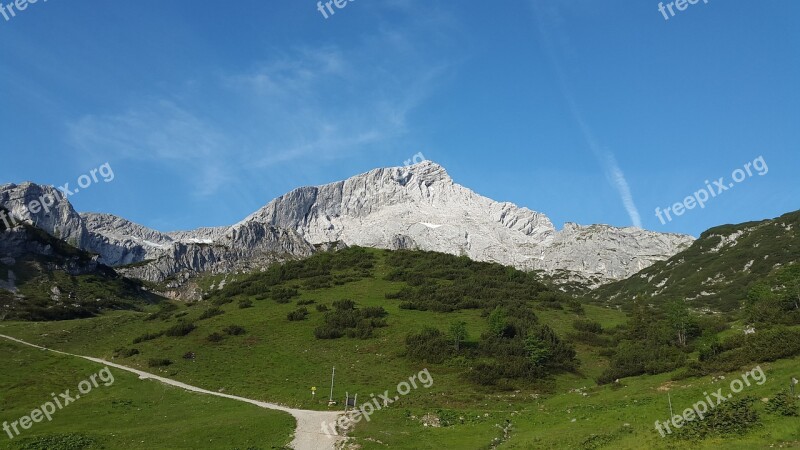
{"x":410,"y":207}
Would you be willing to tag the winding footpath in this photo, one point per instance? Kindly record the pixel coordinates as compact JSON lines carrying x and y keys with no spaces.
{"x":308,"y":433}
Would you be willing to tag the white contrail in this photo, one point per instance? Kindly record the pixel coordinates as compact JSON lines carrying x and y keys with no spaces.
{"x":618,"y":178}
{"x":613,"y":173}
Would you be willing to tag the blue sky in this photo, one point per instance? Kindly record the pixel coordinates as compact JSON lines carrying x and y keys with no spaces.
{"x":591,"y":112}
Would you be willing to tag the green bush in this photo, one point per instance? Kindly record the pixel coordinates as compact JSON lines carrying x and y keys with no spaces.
{"x":234,"y":330}
{"x":588,"y":338}
{"x":429,"y":345}
{"x":147,"y":337}
{"x":125,"y":352}
{"x":346,"y":320}
{"x":642,"y":357}
{"x":159,"y":362}
{"x":327,"y":331}
{"x":732,"y":418}
{"x":298,"y":314}
{"x":783,"y":404}
{"x":181,"y":329}
{"x":244,"y":304}
{"x":221,"y":301}
{"x":164,"y":312}
{"x":58,"y":442}
{"x":210,"y":312}
{"x":318,"y":282}
{"x":215,"y":337}
{"x":374,"y":312}
{"x":283,"y":295}
{"x":344,"y":305}
{"x":766,"y":345}
{"x":588,"y":326}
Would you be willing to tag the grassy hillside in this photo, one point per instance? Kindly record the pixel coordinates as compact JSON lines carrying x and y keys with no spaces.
{"x":717,"y":271}
{"x":514,"y":363}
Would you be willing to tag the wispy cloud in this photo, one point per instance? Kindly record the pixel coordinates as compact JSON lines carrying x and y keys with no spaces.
{"x":292,"y":106}
{"x":548,"y":21}
{"x":158,"y":131}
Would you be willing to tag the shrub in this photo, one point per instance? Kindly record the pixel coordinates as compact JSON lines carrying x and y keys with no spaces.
{"x":588,"y":326}
{"x":344,"y":305}
{"x":429,"y":345}
{"x":181,"y":329}
{"x":211,"y":312}
{"x":159,"y":362}
{"x":640,"y":357}
{"x":590,"y":339}
{"x":361,"y":331}
{"x":305,"y":302}
{"x":234,"y":330}
{"x":765,"y":345}
{"x":484,"y":374}
{"x":551,"y":305}
{"x":319,"y":282}
{"x":576,"y":307}
{"x":125,"y":352}
{"x":244,"y":304}
{"x":58,"y":442}
{"x":215,"y":337}
{"x":327,"y":332}
{"x":221,"y":301}
{"x":374,"y":311}
{"x":164,"y":312}
{"x":346,"y":320}
{"x":734,"y":417}
{"x":783,"y":404}
{"x":283,"y":295}
{"x":322,"y":308}
{"x":147,"y":337}
{"x":298,"y":314}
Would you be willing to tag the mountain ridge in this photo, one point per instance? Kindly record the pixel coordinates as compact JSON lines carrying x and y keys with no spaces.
{"x":411,"y":207}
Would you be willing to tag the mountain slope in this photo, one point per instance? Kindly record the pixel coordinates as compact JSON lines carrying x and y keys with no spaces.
{"x":718,"y":268}
{"x":44,"y":278}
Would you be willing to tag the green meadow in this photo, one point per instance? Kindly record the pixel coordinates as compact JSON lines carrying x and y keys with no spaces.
{"x":242,"y":342}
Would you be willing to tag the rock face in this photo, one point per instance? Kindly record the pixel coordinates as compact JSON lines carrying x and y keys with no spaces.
{"x":248,"y":249}
{"x":597,"y":254}
{"x":58,"y":219}
{"x":416,"y":207}
{"x":421,"y":207}
{"x":140,"y":252}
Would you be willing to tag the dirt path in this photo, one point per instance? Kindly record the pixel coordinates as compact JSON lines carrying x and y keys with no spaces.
{"x":308,"y":433}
